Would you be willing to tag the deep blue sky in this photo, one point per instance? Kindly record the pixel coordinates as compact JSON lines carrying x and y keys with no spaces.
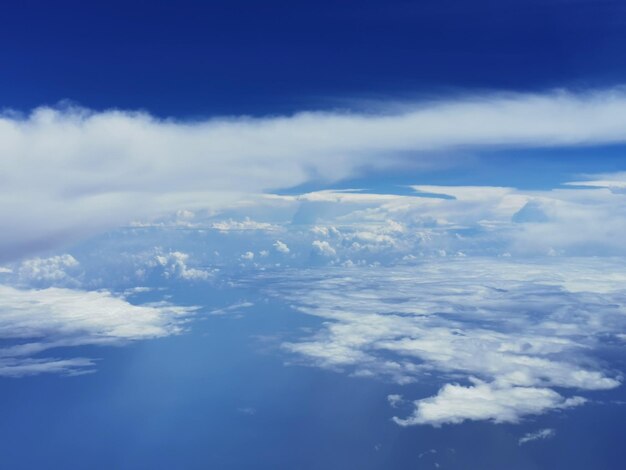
{"x":198,"y":58}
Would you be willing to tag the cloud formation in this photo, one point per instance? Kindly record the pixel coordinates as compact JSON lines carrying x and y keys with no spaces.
{"x":36,"y":321}
{"x":71,"y":172}
{"x":506,"y":338}
{"x":482,"y":401}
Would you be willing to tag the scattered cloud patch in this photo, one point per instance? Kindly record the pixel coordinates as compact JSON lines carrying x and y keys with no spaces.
{"x":522,"y":333}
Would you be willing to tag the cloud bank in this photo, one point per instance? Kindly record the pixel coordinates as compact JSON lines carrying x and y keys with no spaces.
{"x":66,"y":173}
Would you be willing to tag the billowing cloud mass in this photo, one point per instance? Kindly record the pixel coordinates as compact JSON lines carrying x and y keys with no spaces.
{"x":507,"y":339}
{"x":70,"y":172}
{"x":36,"y":321}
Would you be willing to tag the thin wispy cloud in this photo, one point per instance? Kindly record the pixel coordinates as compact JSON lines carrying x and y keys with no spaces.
{"x":539,"y":435}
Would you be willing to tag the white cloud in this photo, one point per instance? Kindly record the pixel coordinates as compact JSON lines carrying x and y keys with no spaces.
{"x":482,"y":401}
{"x":323,"y":247}
{"x":247,"y":256}
{"x":541,"y":434}
{"x":50,"y":270}
{"x":40,"y":320}
{"x":246,"y":224}
{"x":395,"y":400}
{"x":174,"y":265}
{"x":615,"y":181}
{"x":281,"y":247}
{"x":71,"y":172}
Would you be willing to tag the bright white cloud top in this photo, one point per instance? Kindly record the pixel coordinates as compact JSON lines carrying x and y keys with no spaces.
{"x":70,"y":172}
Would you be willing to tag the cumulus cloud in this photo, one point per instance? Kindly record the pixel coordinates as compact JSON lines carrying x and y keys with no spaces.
{"x":281,"y":247}
{"x":50,"y":270}
{"x":71,"y":172}
{"x":323,"y":247}
{"x":174,"y":265}
{"x":248,"y":256}
{"x":482,"y":401}
{"x":37,"y":321}
{"x":470,"y":220}
{"x":523,"y":332}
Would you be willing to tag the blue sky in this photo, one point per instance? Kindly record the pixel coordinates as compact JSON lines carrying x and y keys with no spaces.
{"x":312,"y":235}
{"x":196,"y":58}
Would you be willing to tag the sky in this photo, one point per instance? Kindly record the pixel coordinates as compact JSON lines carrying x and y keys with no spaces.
{"x":312,"y":235}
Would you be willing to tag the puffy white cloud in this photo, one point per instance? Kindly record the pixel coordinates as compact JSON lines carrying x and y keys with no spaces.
{"x":281,"y":247}
{"x":174,"y":265}
{"x":247,"y":256}
{"x":71,"y":172}
{"x":482,"y":401}
{"x":40,"y":320}
{"x":323,"y":247}
{"x":50,"y":270}
{"x":541,"y":434}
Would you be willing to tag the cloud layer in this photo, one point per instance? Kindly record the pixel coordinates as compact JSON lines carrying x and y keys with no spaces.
{"x":70,"y":172}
